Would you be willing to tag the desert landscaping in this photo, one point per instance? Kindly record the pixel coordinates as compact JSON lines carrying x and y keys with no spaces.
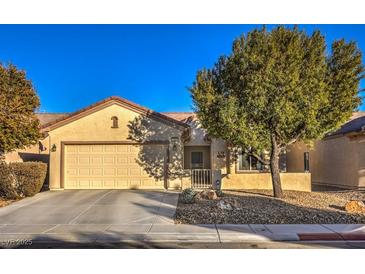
{"x":260,"y":207}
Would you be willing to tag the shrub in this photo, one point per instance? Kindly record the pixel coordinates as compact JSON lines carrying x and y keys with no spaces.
{"x":22,"y":179}
{"x":187,"y":196}
{"x":7,"y":182}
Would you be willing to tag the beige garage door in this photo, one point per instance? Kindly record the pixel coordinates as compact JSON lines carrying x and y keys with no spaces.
{"x":118,"y":166}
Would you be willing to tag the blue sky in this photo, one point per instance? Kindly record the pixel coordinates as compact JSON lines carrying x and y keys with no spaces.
{"x":73,"y":66}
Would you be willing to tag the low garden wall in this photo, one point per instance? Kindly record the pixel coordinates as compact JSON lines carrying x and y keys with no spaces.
{"x":290,"y":181}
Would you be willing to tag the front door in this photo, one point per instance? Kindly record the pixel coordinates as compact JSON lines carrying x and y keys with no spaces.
{"x":197,"y":161}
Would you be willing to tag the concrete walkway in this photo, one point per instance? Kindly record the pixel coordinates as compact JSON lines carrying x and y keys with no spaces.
{"x":100,"y":235}
{"x":99,"y":218}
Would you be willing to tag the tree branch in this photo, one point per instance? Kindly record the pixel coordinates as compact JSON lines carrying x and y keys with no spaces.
{"x":258,"y":157}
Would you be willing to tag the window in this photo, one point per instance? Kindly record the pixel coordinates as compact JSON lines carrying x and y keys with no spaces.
{"x":115,"y":122}
{"x":306,"y":161}
{"x":197,"y":159}
{"x":247,"y":162}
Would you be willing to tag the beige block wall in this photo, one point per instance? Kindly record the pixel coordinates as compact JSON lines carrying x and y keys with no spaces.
{"x":97,"y":127}
{"x":337,"y":161}
{"x":226,"y":168}
{"x":289,"y":181}
{"x":31,"y":153}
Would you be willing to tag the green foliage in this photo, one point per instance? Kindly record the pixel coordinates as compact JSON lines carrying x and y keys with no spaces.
{"x":276,"y":88}
{"x":187,"y":196}
{"x":21,"y":179}
{"x":19,"y":126}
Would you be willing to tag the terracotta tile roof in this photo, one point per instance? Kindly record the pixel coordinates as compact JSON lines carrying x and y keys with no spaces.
{"x":184,"y":117}
{"x":45,"y":118}
{"x":82,"y":112}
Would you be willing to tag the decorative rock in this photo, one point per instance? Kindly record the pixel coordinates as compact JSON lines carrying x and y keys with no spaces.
{"x":207,"y":194}
{"x":224,"y":205}
{"x":212,"y":195}
{"x":228,"y":204}
{"x":355,"y":207}
{"x":233,"y":202}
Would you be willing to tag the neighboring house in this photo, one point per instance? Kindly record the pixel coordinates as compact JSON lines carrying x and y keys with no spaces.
{"x":117,"y":144}
{"x":338,"y":160}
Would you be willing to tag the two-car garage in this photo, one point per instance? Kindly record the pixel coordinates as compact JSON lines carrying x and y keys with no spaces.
{"x":112,"y":166}
{"x":114,"y":144}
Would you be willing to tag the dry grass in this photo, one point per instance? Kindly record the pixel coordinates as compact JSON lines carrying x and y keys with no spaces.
{"x":5,"y":202}
{"x":259,"y":207}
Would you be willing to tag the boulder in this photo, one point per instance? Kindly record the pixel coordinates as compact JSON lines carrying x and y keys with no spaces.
{"x":355,"y":207}
{"x":207,"y":194}
{"x":233,"y":202}
{"x":224,"y":205}
{"x":228,"y":204}
{"x":212,"y":195}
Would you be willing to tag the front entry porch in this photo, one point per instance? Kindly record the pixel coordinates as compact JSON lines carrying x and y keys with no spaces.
{"x":197,"y":166}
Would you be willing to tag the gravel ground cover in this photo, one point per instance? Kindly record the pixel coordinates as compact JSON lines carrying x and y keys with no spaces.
{"x":260,"y":207}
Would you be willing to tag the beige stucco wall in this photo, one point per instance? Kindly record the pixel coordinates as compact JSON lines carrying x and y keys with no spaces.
{"x":289,"y":181}
{"x":31,"y":153}
{"x":337,"y":161}
{"x":97,"y":127}
{"x":224,"y":169}
{"x":197,"y":134}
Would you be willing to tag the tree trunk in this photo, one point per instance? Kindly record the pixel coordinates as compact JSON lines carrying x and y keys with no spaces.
{"x":274,"y":167}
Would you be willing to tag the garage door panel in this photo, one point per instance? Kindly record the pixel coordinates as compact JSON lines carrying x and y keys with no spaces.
{"x":107,"y":167}
{"x":72,"y":171}
{"x":109,"y":183}
{"x":122,"y":183}
{"x":135,"y":172}
{"x":84,"y":172}
{"x":84,"y":183}
{"x":97,"y":148}
{"x":71,"y":149}
{"x":84,"y":160}
{"x":96,"y":184}
{"x":108,"y":160}
{"x":84,"y":148}
{"x":122,"y":160}
{"x":123,"y":172}
{"x":96,"y":160}
{"x":97,"y":171}
{"x":123,"y":149}
{"x":72,"y":160}
{"x":110,"y":148}
{"x":109,"y":171}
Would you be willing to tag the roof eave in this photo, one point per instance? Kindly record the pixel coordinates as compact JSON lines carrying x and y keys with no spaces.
{"x":105,"y":103}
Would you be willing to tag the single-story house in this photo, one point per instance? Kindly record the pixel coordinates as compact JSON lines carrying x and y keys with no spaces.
{"x":117,"y":144}
{"x":338,"y":160}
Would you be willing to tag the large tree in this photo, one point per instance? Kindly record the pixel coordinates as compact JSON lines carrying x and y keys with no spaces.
{"x":19,"y":126}
{"x":276,"y":88}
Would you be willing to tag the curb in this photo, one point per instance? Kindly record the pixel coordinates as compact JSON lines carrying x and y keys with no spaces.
{"x":331,"y":236}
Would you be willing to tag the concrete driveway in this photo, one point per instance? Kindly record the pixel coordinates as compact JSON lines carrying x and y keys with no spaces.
{"x":86,"y":212}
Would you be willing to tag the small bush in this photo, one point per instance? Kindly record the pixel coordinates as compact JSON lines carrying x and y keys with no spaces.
{"x":22,"y":179}
{"x":187,"y":196}
{"x":7,"y":182}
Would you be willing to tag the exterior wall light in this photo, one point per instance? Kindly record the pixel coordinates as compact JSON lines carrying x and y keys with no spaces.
{"x":53,"y":148}
{"x":174,"y":141}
